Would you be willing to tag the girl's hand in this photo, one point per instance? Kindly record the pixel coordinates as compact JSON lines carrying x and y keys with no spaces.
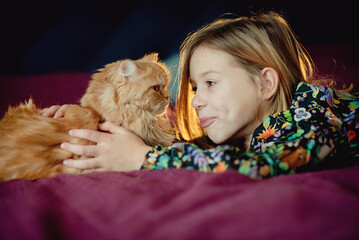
{"x":119,"y":149}
{"x":55,"y":111}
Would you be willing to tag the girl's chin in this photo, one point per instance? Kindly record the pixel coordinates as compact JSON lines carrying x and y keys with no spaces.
{"x":217,"y":139}
{"x":221,"y":139}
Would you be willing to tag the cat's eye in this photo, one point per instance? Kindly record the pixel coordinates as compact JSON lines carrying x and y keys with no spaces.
{"x":156,"y":88}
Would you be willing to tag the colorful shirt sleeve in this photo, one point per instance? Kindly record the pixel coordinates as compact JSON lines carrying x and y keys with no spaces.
{"x":320,"y":124}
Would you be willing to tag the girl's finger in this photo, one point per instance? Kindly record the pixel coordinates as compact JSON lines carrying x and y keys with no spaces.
{"x":92,"y":135}
{"x":90,"y":163}
{"x":83,"y":150}
{"x":42,"y":111}
{"x":112,"y":128}
{"x":49,"y":112}
{"x":61,"y":111}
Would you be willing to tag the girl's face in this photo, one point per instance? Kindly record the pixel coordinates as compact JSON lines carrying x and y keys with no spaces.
{"x":226,"y":99}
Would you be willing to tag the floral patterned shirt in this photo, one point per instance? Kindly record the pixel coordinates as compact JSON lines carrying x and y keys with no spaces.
{"x":320,"y":127}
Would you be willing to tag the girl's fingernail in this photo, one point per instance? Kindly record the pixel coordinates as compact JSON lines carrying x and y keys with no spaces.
{"x":62,"y":145}
{"x":65,"y":162}
{"x":70,"y":132}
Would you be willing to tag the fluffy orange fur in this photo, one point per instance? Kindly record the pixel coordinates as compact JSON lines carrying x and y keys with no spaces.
{"x":129,"y":93}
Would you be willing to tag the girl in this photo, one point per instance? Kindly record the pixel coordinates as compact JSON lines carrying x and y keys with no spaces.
{"x":245,"y":88}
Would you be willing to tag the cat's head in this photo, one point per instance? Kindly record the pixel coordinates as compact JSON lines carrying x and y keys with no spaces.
{"x":141,"y":83}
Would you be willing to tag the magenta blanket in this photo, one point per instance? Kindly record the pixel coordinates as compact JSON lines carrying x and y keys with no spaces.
{"x":182,"y":204}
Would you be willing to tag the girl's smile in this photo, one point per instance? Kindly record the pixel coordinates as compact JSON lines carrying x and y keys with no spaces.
{"x":207,"y":121}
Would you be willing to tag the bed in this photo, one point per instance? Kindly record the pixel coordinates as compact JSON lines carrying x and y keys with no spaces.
{"x":182,"y":204}
{"x":175,"y":203}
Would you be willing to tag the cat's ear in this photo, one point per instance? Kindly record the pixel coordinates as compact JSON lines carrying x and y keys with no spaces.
{"x":151,"y":57}
{"x":127,"y":68}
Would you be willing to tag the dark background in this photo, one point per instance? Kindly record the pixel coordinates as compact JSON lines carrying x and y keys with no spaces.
{"x":81,"y":36}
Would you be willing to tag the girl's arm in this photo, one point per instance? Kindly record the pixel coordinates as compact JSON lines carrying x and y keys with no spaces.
{"x":116,"y":149}
{"x":304,"y":147}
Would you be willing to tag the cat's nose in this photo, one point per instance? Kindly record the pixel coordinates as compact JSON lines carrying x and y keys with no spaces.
{"x":167,"y":98}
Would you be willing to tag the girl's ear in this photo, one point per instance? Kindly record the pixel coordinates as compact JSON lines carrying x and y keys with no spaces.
{"x":271,"y":81}
{"x":151,"y":57}
{"x":127,"y":68}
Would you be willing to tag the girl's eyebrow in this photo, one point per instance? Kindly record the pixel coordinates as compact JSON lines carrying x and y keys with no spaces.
{"x":208,"y":72}
{"x":203,"y":75}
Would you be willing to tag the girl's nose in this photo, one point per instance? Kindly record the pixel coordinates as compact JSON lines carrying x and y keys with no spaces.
{"x":198,"y":102}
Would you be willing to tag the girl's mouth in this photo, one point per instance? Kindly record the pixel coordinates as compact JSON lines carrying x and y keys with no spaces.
{"x":205,"y":122}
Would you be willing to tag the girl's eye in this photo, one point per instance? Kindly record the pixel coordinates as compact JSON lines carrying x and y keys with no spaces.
{"x":210,"y":83}
{"x":156,"y":88}
{"x":194,"y":89}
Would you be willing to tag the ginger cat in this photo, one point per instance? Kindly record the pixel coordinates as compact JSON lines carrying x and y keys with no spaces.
{"x":129,"y":93}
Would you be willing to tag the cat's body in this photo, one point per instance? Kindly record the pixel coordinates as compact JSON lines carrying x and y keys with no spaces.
{"x":132,"y":94}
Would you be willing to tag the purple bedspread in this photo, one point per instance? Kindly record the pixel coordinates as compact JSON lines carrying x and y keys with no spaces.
{"x":182,"y":204}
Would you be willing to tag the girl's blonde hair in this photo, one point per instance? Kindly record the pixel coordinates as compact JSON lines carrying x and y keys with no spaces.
{"x":256,"y":42}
